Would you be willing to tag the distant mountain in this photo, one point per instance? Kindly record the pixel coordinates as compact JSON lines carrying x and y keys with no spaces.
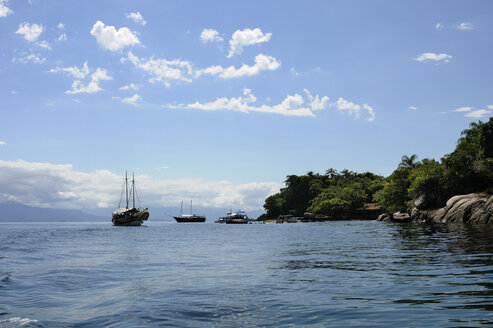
{"x":16,"y":212}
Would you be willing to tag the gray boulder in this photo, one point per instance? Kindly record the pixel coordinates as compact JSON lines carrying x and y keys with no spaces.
{"x":401,"y":217}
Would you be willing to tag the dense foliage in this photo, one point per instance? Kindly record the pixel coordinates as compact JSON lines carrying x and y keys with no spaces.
{"x":469,"y":168}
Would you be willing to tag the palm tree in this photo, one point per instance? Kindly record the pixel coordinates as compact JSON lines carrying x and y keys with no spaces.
{"x":408,"y":162}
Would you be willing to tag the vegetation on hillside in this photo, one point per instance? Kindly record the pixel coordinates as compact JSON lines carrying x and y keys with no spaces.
{"x":469,"y":168}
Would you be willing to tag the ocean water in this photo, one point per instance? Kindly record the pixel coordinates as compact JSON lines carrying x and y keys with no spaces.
{"x":338,"y":274}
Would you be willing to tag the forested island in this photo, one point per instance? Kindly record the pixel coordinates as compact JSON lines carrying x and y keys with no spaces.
{"x":456,"y":188}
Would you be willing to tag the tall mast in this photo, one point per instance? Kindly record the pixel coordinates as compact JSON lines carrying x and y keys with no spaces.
{"x":181,"y":208}
{"x":133,"y":189}
{"x":190,"y":207}
{"x":126,"y":188}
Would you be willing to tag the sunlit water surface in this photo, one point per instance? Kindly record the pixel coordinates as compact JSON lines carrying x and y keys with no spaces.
{"x":340,"y":274}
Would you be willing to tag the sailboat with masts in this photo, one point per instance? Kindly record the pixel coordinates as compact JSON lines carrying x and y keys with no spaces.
{"x":126,"y":216}
{"x":189,"y":217}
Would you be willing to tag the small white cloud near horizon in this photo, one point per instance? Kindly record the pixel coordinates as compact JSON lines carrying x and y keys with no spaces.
{"x":294,"y":72}
{"x":439,"y":26}
{"x":132,"y":100}
{"x":109,"y":38}
{"x":2,"y":143}
{"x":210,"y":35}
{"x":60,"y":26}
{"x":430,"y":56}
{"x":354,"y":109}
{"x":137,"y":18}
{"x":412,"y":108}
{"x":31,"y":32}
{"x":245,"y":38}
{"x":4,"y":10}
{"x":80,"y":74}
{"x":292,"y":105}
{"x":465,"y":26}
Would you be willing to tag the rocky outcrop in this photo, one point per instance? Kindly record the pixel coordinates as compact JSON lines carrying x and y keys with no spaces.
{"x":474,"y":208}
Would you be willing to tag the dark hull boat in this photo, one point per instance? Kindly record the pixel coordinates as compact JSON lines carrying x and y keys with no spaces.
{"x":127,"y":216}
{"x":184,"y":218}
{"x":189,"y":218}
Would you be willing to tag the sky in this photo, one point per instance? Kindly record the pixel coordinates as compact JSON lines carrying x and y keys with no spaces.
{"x":218,"y":101}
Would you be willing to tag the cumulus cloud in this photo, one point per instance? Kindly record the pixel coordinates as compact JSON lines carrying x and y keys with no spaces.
{"x":262,"y":63}
{"x":163,"y":70}
{"x":32,"y":58}
{"x":354,"y":109}
{"x":413,"y":108}
{"x":109,"y":38}
{"x":132,"y":100}
{"x":62,"y":37}
{"x":245,"y":38}
{"x":430,"y":56}
{"x":209,"y":35}
{"x":4,"y":10}
{"x":30,"y":32}
{"x":465,"y":26}
{"x":60,"y":186}
{"x":137,"y":18}
{"x":438,"y":26}
{"x":130,"y":86}
{"x":479,"y":113}
{"x":2,"y":143}
{"x":292,"y":105}
{"x":91,"y":79}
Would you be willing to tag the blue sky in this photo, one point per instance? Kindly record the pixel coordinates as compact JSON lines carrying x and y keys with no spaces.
{"x":220,"y":100}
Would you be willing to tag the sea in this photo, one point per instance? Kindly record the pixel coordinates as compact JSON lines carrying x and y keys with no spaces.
{"x":166,"y":274}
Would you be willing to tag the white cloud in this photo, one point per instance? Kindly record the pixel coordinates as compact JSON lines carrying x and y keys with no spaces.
{"x":430,"y":56}
{"x":2,"y":143}
{"x":490,"y":106}
{"x":4,"y":10}
{"x":209,"y":35}
{"x":111,"y":39}
{"x":292,"y":105}
{"x":163,"y":70}
{"x":463,"y":109}
{"x":294,"y":72}
{"x":465,"y":26}
{"x":262,"y":63}
{"x":78,"y":73}
{"x":45,"y":45}
{"x":478,"y":113}
{"x":62,"y":37}
{"x":132,"y":100}
{"x":244,"y":38}
{"x":413,"y":107}
{"x":60,"y":26}
{"x":438,"y":26}
{"x":32,"y":58}
{"x":137,"y":18}
{"x":83,"y":73}
{"x":317,"y":103}
{"x":354,"y":109}
{"x":30,"y":32}
{"x":60,"y":186}
{"x":131,"y":86}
